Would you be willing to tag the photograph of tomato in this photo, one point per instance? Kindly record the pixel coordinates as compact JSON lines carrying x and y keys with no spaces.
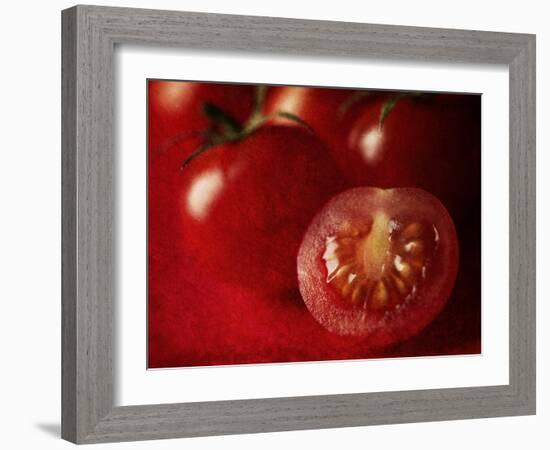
{"x":294,"y":224}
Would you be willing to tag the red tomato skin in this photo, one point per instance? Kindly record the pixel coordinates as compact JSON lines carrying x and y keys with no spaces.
{"x":329,"y":111}
{"x":265,"y":191}
{"x":177,"y":110}
{"x":326,"y":304}
{"x":317,"y":105}
{"x":321,"y":108}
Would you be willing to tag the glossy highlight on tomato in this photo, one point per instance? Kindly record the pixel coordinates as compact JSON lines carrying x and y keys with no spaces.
{"x":378,"y":264}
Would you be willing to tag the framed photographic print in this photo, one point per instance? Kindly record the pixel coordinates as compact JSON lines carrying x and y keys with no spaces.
{"x":256,"y":209}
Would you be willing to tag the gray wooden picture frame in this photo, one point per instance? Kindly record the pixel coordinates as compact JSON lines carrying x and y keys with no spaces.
{"x":90,"y":34}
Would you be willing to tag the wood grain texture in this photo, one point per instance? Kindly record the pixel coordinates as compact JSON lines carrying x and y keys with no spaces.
{"x":68,"y":226}
{"x":89,"y":37}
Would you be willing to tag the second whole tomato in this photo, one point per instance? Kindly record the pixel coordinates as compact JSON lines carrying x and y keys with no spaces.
{"x":429,"y":141}
{"x":324,"y":109}
{"x":245,"y":205}
{"x":394,"y":139}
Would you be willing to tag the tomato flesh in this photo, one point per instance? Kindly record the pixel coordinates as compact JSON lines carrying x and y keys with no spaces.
{"x":378,"y":264}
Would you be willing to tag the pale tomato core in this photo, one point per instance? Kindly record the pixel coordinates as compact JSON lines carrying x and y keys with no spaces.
{"x":379,"y":264}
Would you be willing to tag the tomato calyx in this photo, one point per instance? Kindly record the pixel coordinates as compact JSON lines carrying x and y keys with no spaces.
{"x":224,"y":128}
{"x":392,"y":102}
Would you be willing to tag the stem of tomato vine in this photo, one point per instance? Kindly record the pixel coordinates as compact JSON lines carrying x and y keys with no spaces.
{"x":225,"y":128}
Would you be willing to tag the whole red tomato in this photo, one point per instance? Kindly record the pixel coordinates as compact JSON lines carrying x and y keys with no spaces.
{"x":177,"y":108}
{"x":378,"y":264}
{"x":245,"y":205}
{"x":429,"y":141}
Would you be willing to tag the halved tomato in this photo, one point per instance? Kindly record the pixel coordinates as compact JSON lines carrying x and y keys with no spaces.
{"x":378,"y":264}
